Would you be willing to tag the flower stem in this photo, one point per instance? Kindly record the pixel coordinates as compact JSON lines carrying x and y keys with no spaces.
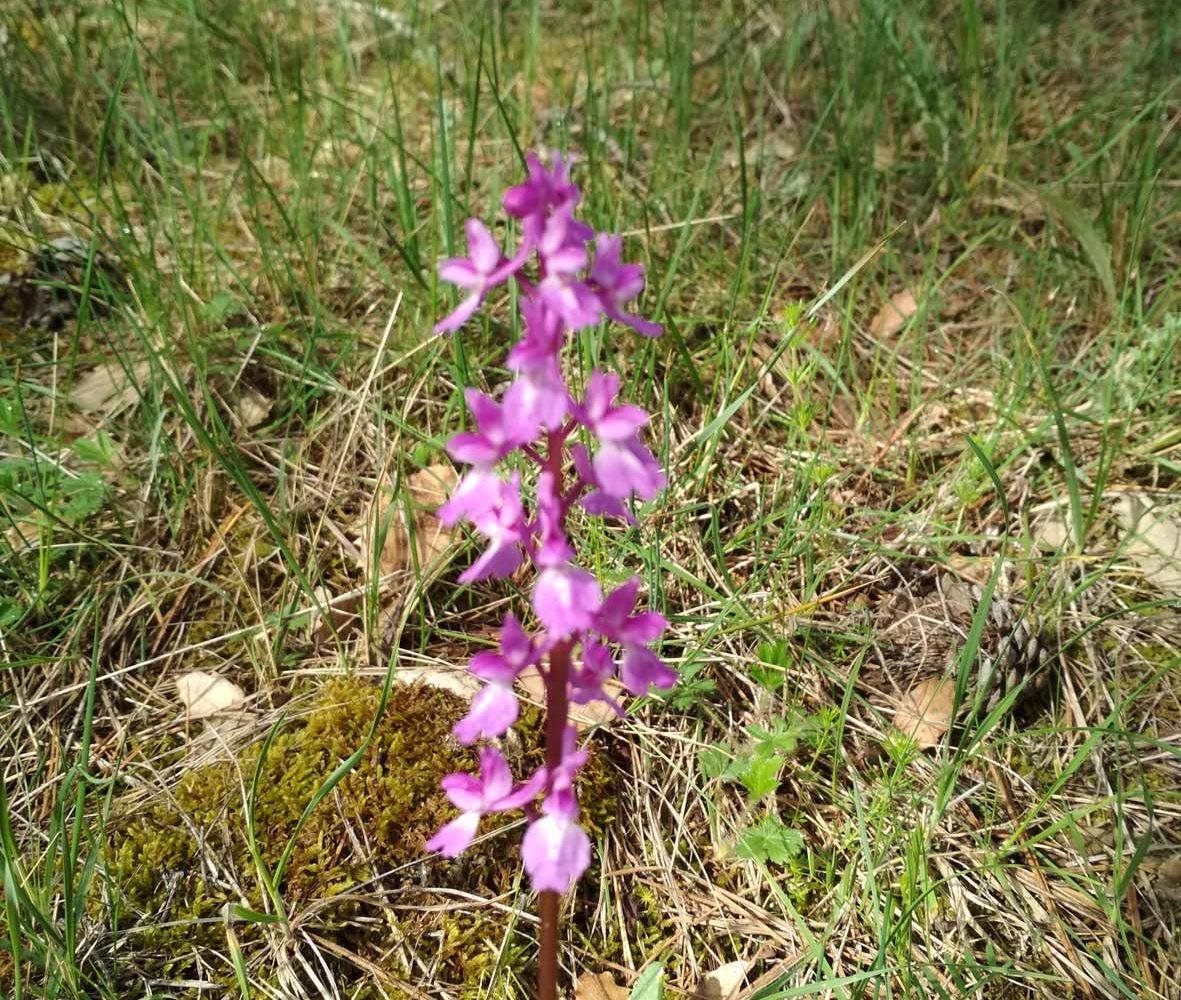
{"x":557,"y":708}
{"x":547,"y":958}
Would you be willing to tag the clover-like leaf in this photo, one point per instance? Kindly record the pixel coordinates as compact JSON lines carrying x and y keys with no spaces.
{"x":761,"y":776}
{"x":770,"y":841}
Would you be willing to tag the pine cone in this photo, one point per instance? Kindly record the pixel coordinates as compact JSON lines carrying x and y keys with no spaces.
{"x":921,"y":632}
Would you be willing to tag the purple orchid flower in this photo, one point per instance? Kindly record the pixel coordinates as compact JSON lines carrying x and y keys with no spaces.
{"x":622,"y":465}
{"x":497,"y":433}
{"x":563,"y":258}
{"x":618,"y":283}
{"x":597,"y":501}
{"x":544,"y":191}
{"x":538,"y":398}
{"x":482,"y":269}
{"x":642,"y":669}
{"x":495,"y":708}
{"x":556,"y":850}
{"x":565,"y":599}
{"x":626,"y":467}
{"x":493,"y":791}
{"x":588,"y":677}
{"x":599,"y":414}
{"x":583,"y":639}
{"x":494,"y":507}
{"x":616,"y":621}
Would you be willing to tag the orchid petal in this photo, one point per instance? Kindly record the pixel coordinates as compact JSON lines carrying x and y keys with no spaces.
{"x":454,"y":838}
{"x":556,"y":852}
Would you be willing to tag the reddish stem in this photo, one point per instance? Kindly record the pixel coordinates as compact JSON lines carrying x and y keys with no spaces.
{"x":547,"y":959}
{"x":557,"y":707}
{"x":555,"y":456}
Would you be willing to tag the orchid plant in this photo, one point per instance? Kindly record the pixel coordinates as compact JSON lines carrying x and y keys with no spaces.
{"x":568,"y":279}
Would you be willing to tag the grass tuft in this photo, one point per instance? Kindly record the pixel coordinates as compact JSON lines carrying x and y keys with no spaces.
{"x":917,"y":265}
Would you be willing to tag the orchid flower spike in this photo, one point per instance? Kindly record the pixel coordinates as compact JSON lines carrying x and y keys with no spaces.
{"x":588,"y":642}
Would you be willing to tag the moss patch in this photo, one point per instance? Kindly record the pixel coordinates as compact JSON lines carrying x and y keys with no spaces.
{"x":356,"y":881}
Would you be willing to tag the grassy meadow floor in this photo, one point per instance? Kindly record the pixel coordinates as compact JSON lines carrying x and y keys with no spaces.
{"x":918,"y":268}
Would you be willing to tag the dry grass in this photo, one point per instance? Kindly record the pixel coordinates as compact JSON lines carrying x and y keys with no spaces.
{"x":256,"y":202}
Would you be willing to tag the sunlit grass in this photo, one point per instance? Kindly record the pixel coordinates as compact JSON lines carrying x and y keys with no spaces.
{"x":257,"y":195}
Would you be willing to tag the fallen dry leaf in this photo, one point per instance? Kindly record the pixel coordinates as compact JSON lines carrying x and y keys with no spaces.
{"x":925,"y":712}
{"x":23,"y":533}
{"x":596,"y":713}
{"x":458,"y":680}
{"x":1168,"y":879}
{"x":599,"y":986}
{"x":204,"y":694}
{"x":531,"y":680}
{"x":1026,"y":208}
{"x":723,"y":983}
{"x":427,"y":488}
{"x":583,"y":716}
{"x":392,"y":556}
{"x":1155,"y":543}
{"x":342,"y":615}
{"x":965,"y":572}
{"x":771,"y":147}
{"x":252,"y":408}
{"x":1162,"y":874}
{"x":1050,"y":527}
{"x":893,"y":315}
{"x":883,"y":155}
{"x":431,"y":486}
{"x":109,"y":388}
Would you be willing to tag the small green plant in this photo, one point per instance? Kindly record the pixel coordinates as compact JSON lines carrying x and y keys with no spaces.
{"x":770,"y":841}
{"x":33,"y":480}
{"x":771,"y":669}
{"x":692,"y":687}
{"x":42,"y":494}
{"x":35,"y":486}
{"x":58,"y":495}
{"x":757,"y":764}
{"x":649,"y":984}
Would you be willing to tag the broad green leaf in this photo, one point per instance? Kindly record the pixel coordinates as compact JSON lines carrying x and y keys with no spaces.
{"x":768,"y":677}
{"x":1083,"y":230}
{"x":775,"y":654}
{"x":770,"y":841}
{"x":714,"y":760}
{"x":761,"y":776}
{"x":780,"y":739}
{"x":650,"y":984}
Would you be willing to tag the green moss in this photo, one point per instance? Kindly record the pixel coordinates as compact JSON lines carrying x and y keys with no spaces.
{"x":175,"y":864}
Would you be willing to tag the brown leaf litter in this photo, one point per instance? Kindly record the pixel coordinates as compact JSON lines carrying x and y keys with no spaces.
{"x":599,"y":986}
{"x":215,"y":700}
{"x":895,"y":314}
{"x":204,"y":694}
{"x":1166,"y":877}
{"x":583,"y":716}
{"x":425,"y":538}
{"x":919,"y":634}
{"x":420,"y":543}
{"x":926,"y":711}
{"x":723,"y":983}
{"x":110,"y":388}
{"x":1153,"y":532}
